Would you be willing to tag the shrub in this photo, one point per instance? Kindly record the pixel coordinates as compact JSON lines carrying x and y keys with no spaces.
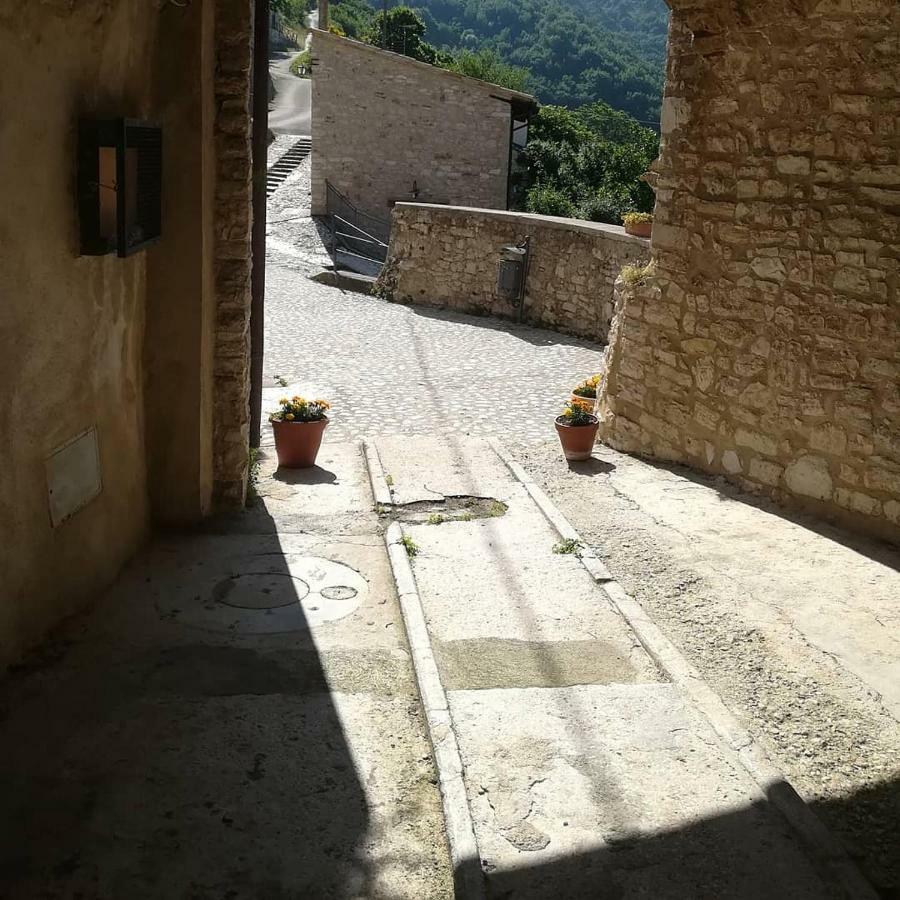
{"x":302,"y":61}
{"x":606,"y":208}
{"x":549,"y":201}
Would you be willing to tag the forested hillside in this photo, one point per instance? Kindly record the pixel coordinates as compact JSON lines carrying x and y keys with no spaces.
{"x":577,"y":51}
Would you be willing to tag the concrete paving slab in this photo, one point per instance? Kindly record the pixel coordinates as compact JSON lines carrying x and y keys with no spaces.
{"x":213,"y":730}
{"x":617,"y":791}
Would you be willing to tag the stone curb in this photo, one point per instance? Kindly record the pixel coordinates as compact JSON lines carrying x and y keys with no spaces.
{"x":468,"y":880}
{"x":771,"y":781}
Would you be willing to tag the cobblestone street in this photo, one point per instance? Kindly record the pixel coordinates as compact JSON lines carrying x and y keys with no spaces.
{"x":391,"y":369}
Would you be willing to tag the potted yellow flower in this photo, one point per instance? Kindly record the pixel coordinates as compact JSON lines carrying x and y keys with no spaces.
{"x":638,"y":224}
{"x":577,"y":430}
{"x":585,"y":395}
{"x":299,"y":425}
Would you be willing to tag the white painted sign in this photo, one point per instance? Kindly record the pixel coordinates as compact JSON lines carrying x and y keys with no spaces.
{"x":73,"y":476}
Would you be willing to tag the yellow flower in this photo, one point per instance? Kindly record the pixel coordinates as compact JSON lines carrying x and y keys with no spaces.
{"x":289,"y":417}
{"x":284,"y":401}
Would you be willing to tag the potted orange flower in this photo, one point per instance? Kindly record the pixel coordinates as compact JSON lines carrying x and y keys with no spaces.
{"x":299,"y":425}
{"x":577,"y":430}
{"x":585,"y":395}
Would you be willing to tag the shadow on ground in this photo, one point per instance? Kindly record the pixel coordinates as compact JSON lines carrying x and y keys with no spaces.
{"x":531,"y":334}
{"x":706,"y":860}
{"x":157,"y":751}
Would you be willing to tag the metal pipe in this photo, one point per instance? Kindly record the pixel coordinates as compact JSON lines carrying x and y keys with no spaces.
{"x":260,"y":147}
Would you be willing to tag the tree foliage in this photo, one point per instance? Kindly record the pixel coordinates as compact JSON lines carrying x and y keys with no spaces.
{"x":577,"y":51}
{"x":402,"y":30}
{"x":292,"y":11}
{"x":354,"y":17}
{"x":588,"y":162}
{"x":487,"y":65}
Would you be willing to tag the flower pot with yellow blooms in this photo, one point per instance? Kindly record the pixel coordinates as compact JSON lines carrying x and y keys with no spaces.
{"x":585,"y":395}
{"x":577,"y":432}
{"x":299,"y":426}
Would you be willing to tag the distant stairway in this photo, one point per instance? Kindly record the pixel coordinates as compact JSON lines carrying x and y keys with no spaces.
{"x":287,"y":164}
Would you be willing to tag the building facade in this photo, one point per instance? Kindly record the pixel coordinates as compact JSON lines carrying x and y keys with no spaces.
{"x":388,"y":129}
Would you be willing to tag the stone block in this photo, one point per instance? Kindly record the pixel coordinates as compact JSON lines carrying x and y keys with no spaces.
{"x":809,"y":477}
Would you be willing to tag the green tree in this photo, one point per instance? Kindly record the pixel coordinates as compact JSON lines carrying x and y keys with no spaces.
{"x":292,"y":11}
{"x":593,"y":157}
{"x":353,"y":17}
{"x":487,"y":65}
{"x":401,"y":30}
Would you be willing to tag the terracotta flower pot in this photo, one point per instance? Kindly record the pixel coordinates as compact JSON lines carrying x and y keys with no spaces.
{"x":640,"y":229}
{"x":577,"y":440}
{"x":297,"y":443}
{"x":586,"y":403}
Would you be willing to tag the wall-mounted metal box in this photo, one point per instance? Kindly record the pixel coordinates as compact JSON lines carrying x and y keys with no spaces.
{"x":511,"y":273}
{"x":119,"y":186}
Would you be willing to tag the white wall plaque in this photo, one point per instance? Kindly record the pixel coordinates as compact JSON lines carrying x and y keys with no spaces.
{"x":73,"y":476}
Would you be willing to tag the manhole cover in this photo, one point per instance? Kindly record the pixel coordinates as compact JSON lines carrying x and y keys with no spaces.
{"x":270,"y":594}
{"x":261,"y":590}
{"x":341,"y":592}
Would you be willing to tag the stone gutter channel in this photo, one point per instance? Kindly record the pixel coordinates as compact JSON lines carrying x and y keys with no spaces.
{"x":577,"y":750}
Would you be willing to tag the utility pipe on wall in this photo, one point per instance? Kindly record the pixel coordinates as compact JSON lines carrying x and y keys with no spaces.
{"x":260,"y":148}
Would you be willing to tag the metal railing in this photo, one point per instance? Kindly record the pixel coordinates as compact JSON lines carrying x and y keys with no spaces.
{"x":357,"y":237}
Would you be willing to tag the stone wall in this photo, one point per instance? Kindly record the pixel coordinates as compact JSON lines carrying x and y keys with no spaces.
{"x":448,"y":257}
{"x":233,"y":257}
{"x":766,"y":347}
{"x":382,"y":122}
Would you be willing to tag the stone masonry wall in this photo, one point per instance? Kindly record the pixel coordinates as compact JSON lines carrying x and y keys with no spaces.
{"x":382,"y":121}
{"x":233,"y":261}
{"x":448,"y":257}
{"x":766,"y":347}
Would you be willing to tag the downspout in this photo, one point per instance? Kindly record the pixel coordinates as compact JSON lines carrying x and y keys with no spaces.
{"x":260,"y":147}
{"x":509,"y":163}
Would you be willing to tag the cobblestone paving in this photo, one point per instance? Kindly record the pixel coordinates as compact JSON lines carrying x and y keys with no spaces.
{"x":390,"y":369}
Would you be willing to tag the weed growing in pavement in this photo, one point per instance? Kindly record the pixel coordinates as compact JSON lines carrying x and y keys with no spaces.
{"x":389,"y":480}
{"x":436,"y":519}
{"x":252,"y":475}
{"x":412,"y":548}
{"x":281,"y":381}
{"x":568,"y":547}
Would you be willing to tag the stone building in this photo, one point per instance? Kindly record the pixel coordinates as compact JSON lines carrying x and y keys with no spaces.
{"x":766,"y":344}
{"x":124,"y":400}
{"x":388,"y":128}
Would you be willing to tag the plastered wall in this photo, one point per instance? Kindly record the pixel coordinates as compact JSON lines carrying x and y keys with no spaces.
{"x":766,"y":346}
{"x":71,"y":327}
{"x":149,"y":351}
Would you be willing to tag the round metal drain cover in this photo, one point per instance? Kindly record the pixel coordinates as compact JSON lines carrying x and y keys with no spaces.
{"x":261,"y":590}
{"x":341,"y":592}
{"x":270,"y":594}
